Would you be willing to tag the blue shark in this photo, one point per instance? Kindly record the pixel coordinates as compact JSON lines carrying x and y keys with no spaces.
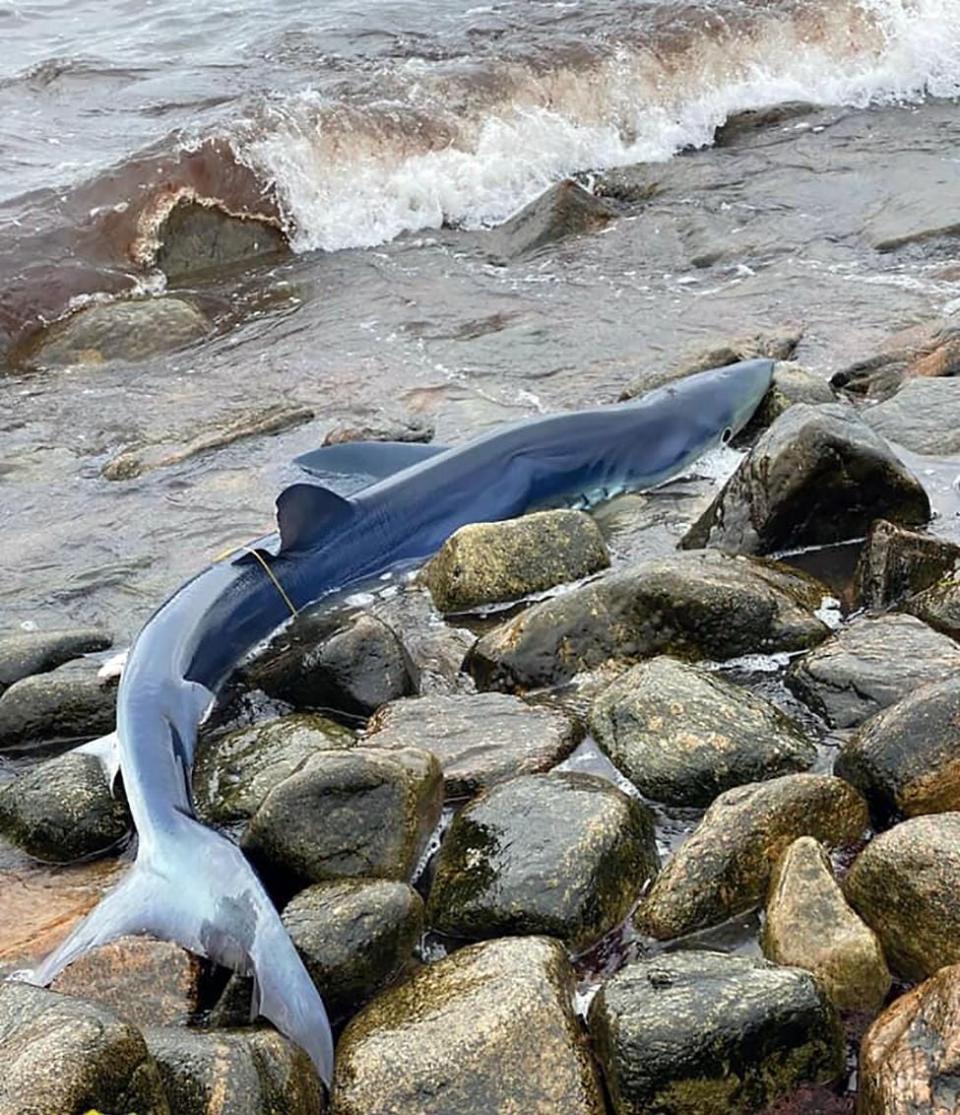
{"x":192,"y":885}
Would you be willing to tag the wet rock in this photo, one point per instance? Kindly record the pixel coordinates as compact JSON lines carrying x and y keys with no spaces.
{"x":906,"y":886}
{"x":351,"y":669}
{"x":490,"y":1028}
{"x":141,"y":980}
{"x":791,"y":384}
{"x":70,"y":702}
{"x":119,"y":331}
{"x":563,"y":210}
{"x":23,"y":653}
{"x":938,"y":606}
{"x":739,"y":124}
{"x":909,"y":1061}
{"x":870,"y":664}
{"x":809,"y":925}
{"x":723,"y":868}
{"x":195,"y":238}
{"x":234,"y":772}
{"x":359,"y":813}
{"x":564,"y":854}
{"x":696,"y":1032}
{"x":684,"y":735}
{"x":696,"y":605}
{"x":919,"y":350}
{"x":62,"y":1056}
{"x":489,"y":563}
{"x":255,"y":1072}
{"x":924,"y":416}
{"x":479,"y":739}
{"x":906,"y":759}
{"x":381,"y":428}
{"x":63,"y":809}
{"x":819,"y":475}
{"x":897,"y":563}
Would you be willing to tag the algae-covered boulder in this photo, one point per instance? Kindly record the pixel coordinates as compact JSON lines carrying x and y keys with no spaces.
{"x":62,"y":809}
{"x":234,"y":772}
{"x":906,"y":886}
{"x":490,"y":1028}
{"x":71,"y":702}
{"x":723,"y":868}
{"x":809,"y":925}
{"x":561,"y":211}
{"x":23,"y":653}
{"x":697,"y":1033}
{"x":488,"y":563}
{"x":62,"y":1056}
{"x":694,"y":605}
{"x":564,"y":854}
{"x":791,"y":384}
{"x":819,"y":475}
{"x":195,"y":238}
{"x":479,"y":739}
{"x":361,"y":812}
{"x":923,"y":416}
{"x":871,"y":664}
{"x":938,"y":606}
{"x":906,"y":759}
{"x":684,"y":735}
{"x":896,"y":563}
{"x":909,"y":1058}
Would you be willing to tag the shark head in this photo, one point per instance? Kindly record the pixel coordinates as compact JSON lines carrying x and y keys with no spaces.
{"x":725,"y":399}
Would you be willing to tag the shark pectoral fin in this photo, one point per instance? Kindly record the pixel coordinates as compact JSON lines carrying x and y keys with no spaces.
{"x":307,"y":512}
{"x":366,"y":458}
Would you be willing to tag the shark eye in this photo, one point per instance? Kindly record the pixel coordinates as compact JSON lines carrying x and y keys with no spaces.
{"x":726,"y":436}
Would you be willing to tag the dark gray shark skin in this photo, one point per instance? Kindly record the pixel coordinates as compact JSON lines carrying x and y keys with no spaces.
{"x":192,"y":885}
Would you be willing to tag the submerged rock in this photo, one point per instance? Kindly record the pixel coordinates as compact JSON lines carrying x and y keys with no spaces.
{"x":684,"y":735}
{"x":23,"y":653}
{"x":490,"y":1028}
{"x":693,"y":605}
{"x":564,"y":210}
{"x":723,"y":868}
{"x":896,"y":563}
{"x":697,"y":1033}
{"x":62,"y":1056}
{"x":359,"y":813}
{"x":63,"y":809}
{"x":924,"y":416}
{"x":809,"y":925}
{"x":68,"y":703}
{"x":909,"y":1059}
{"x":564,"y":854}
{"x":489,"y":563}
{"x":870,"y":664}
{"x":819,"y":475}
{"x":195,"y":238}
{"x":906,"y":886}
{"x":479,"y":739}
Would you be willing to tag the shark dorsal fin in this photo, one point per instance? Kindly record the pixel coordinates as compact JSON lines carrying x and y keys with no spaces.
{"x":307,"y":512}
{"x":366,"y":458}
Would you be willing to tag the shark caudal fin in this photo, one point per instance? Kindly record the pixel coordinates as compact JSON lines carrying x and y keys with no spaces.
{"x":193,"y":886}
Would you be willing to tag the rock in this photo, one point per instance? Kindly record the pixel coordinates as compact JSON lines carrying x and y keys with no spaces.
{"x":23,"y":653}
{"x":563,"y":210}
{"x":490,"y":1028}
{"x":360,"y":813}
{"x":924,"y":416}
{"x":141,"y":980}
{"x":697,"y":1033}
{"x":381,"y":428}
{"x":739,"y":124}
{"x":897,"y":563}
{"x":126,"y":331}
{"x":723,"y":868}
{"x":938,"y":606}
{"x":697,"y":605}
{"x":479,"y":739}
{"x":909,"y":1060}
{"x":63,"y":809}
{"x":489,"y":563}
{"x":906,"y":886}
{"x":809,"y":925}
{"x":870,"y":664}
{"x":905,"y":760}
{"x":351,"y":669}
{"x":195,"y":238}
{"x":234,"y":772}
{"x":563,"y":854}
{"x":684,"y":735}
{"x":62,"y":1056}
{"x":791,"y":385}
{"x":254,"y":1072}
{"x":68,"y":703}
{"x":819,"y":475}
{"x":919,"y":350}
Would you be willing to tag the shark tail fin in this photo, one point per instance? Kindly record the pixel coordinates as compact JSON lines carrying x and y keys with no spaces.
{"x":192,"y":886}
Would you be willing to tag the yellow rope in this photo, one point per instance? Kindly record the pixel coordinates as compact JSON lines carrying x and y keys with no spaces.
{"x":266,"y":568}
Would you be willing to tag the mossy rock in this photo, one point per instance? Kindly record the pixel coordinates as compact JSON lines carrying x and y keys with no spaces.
{"x":69,"y":703}
{"x":896,"y":563}
{"x":23,"y":653}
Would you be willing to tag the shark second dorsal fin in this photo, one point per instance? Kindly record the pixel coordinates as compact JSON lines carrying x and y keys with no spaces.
{"x":366,"y":458}
{"x":307,"y":512}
